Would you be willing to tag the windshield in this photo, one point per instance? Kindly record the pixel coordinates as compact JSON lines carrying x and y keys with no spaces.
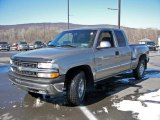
{"x":38,"y":42}
{"x":75,"y":38}
{"x":150,"y":43}
{"x":23,"y":43}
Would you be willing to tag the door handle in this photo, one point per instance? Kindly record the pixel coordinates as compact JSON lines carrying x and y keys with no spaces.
{"x":117,"y":53}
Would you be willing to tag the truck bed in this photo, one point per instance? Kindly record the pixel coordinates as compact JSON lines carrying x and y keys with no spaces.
{"x":137,"y":50}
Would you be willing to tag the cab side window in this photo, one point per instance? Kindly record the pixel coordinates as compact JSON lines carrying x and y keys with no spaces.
{"x":120,"y":38}
{"x":106,"y":36}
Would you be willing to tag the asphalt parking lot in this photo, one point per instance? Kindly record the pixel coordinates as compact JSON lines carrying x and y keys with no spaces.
{"x":118,"y":98}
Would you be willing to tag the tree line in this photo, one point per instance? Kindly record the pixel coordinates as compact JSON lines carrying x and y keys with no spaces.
{"x":47,"y":31}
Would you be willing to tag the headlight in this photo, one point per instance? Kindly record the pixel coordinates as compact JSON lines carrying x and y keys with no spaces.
{"x":48,"y":65}
{"x":48,"y":75}
{"x":11,"y":62}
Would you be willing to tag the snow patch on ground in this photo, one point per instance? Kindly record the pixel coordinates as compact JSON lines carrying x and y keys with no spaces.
{"x":150,"y":73}
{"x":38,"y":103}
{"x":105,"y":109}
{"x":126,"y":80}
{"x":147,"y":106}
{"x":152,"y":97}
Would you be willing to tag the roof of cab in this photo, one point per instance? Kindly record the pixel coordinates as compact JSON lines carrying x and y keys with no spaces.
{"x":94,"y":28}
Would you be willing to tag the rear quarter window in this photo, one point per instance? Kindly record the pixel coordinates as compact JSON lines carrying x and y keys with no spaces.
{"x":120,"y":38}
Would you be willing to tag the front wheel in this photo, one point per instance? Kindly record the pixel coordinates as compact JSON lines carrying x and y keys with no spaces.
{"x":140,"y":69}
{"x":76,"y":88}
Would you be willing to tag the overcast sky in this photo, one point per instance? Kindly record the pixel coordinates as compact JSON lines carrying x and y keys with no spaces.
{"x":135,"y":13}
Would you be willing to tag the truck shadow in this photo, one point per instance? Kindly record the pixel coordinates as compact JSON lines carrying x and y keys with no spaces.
{"x":104,"y":88}
{"x":118,"y":83}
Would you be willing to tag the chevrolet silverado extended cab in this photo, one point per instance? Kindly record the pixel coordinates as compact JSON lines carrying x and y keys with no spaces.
{"x":75,"y":60}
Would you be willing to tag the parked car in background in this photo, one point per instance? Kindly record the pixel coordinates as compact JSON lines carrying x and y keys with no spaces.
{"x":39,"y":44}
{"x":4,"y":46}
{"x":49,"y":42}
{"x":22,"y":46}
{"x":150,"y":43}
{"x":14,"y":46}
{"x":31,"y":46}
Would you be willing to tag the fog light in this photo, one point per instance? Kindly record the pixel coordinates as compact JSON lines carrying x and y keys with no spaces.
{"x":48,"y":75}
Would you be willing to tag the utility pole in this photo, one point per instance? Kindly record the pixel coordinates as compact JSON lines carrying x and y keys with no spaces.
{"x":68,"y":14}
{"x":119,"y":14}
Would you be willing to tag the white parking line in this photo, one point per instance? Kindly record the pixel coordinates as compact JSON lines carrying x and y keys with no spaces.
{"x":87,"y":113}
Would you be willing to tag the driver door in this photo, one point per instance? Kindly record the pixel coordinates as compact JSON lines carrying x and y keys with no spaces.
{"x":106,"y":62}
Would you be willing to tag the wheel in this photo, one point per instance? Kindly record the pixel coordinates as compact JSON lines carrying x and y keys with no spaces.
{"x":76,"y":88}
{"x":139,"y":71}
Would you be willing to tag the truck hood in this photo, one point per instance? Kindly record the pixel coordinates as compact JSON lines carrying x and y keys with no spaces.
{"x":50,"y":53}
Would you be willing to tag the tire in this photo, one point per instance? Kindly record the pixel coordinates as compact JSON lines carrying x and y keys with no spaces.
{"x":76,"y":88}
{"x":138,"y":73}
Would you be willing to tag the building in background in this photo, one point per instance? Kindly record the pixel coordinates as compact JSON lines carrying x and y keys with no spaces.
{"x":158,"y":41}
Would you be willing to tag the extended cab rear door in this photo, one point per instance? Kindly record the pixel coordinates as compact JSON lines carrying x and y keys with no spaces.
{"x":124,"y":51}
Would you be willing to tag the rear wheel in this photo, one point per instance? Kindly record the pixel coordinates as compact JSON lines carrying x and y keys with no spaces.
{"x":76,"y":88}
{"x":139,"y":71}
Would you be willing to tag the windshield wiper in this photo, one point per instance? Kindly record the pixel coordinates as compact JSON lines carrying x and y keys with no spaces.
{"x":73,"y":46}
{"x":52,"y":46}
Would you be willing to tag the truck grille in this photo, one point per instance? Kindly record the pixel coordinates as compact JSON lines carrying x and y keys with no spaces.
{"x":25,"y":64}
{"x":17,"y":65}
{"x":26,"y":73}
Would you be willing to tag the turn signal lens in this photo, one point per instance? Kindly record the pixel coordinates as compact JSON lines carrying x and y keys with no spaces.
{"x":54,"y":75}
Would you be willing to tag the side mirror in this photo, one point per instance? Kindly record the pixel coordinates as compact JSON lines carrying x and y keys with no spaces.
{"x":104,"y":44}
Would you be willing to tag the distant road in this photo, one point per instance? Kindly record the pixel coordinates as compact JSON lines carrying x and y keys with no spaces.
{"x":5,"y":56}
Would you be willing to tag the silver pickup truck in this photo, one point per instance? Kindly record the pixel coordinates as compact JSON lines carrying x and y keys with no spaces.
{"x":75,"y":60}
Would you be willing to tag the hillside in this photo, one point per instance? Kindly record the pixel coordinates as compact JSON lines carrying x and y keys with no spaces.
{"x":47,"y":31}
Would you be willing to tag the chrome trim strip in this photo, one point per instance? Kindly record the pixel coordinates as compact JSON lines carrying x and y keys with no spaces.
{"x":113,"y":67}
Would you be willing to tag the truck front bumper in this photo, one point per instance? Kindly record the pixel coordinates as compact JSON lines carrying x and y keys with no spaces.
{"x":38,"y":85}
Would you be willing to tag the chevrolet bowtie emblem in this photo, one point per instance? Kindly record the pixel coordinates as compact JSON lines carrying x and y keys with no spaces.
{"x":20,"y":68}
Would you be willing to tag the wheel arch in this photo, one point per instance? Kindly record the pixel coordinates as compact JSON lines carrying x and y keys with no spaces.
{"x":144,"y":56}
{"x":88,"y":73}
